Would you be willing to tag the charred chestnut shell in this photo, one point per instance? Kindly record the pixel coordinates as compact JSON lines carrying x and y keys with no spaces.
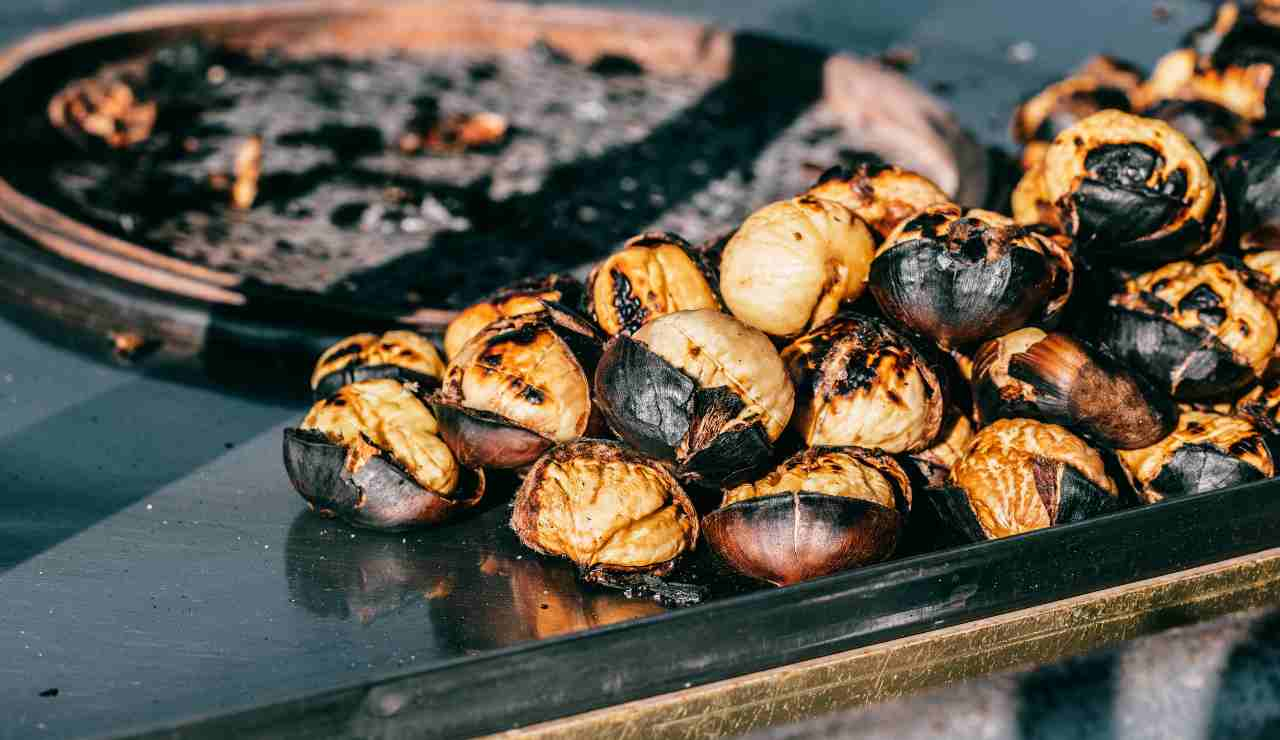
{"x":1206,"y":452}
{"x":607,"y":508}
{"x":1208,"y":126}
{"x":1133,"y":189}
{"x":1250,"y":177}
{"x":1261,"y":405}
{"x":1057,"y":379}
{"x":880,"y":194}
{"x":400,"y":355}
{"x":1101,"y":83}
{"x":789,"y":266}
{"x":655,"y":273}
{"x":519,"y":386}
{"x":964,"y":277}
{"x":1021,"y":475}
{"x":821,"y":511}
{"x":699,"y":389}
{"x":861,"y":383}
{"x":522,"y":297}
{"x":1197,"y":331}
{"x":370,"y":455}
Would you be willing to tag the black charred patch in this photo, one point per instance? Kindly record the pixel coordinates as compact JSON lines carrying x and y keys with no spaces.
{"x":646,"y":401}
{"x":1201,"y":468}
{"x":631,"y":311}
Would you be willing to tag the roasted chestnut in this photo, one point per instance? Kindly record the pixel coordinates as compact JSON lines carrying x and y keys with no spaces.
{"x":700,"y":389}
{"x":1030,"y":200}
{"x":1208,"y":126}
{"x":1250,"y":178}
{"x":1264,"y":279}
{"x":1197,"y":330}
{"x":821,"y":511}
{"x":1133,"y":189}
{"x":1261,"y":405}
{"x":961,"y":277}
{"x":859,"y":382}
{"x":370,"y":455}
{"x":790,"y":264}
{"x":1099,"y":84}
{"x":519,"y":386}
{"x":607,"y":508}
{"x":934,"y":463}
{"x":1055,"y":378}
{"x":653,"y":274}
{"x":880,"y":194}
{"x":519,"y":298}
{"x":1020,"y":475}
{"x":401,"y":355}
{"x":1206,"y":452}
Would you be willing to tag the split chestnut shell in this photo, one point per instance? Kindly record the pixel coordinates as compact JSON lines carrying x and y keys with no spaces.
{"x":880,"y":194}
{"x":821,"y":511}
{"x":1206,"y":452}
{"x":400,"y":355}
{"x":525,"y":296}
{"x":654,"y":274}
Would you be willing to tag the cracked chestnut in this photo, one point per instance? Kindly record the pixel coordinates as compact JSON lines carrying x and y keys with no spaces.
{"x":700,"y":389}
{"x":1206,"y":452}
{"x":400,"y":355}
{"x":878,"y":193}
{"x":370,"y":455}
{"x":931,"y":466}
{"x":1250,"y":178}
{"x":823,"y":510}
{"x":1261,"y":405}
{"x":654,"y":274}
{"x":520,"y":298}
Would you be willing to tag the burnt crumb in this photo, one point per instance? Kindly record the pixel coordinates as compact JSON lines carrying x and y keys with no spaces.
{"x":615,"y":65}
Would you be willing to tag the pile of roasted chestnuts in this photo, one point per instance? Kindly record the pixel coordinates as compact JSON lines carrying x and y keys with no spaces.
{"x":866,"y":356}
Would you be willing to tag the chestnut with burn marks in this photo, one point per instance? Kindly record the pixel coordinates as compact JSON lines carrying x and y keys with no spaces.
{"x":1261,"y":405}
{"x":1133,"y":189}
{"x":1021,"y":475}
{"x":823,"y":510}
{"x":961,"y":277}
{"x":370,"y":455}
{"x":1205,"y":453}
{"x":400,"y":355}
{"x":700,"y":389}
{"x":1250,"y":178}
{"x":519,"y":386}
{"x":861,"y":383}
{"x":1055,"y":378}
{"x":880,"y":194}
{"x":1197,"y":330}
{"x":654,"y":274}
{"x":933,"y":464}
{"x":791,"y":264}
{"x":1208,"y":126}
{"x":517,"y":299}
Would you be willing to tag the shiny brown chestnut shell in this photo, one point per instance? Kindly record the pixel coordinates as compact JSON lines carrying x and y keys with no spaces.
{"x":400,"y":355}
{"x":370,"y":455}
{"x":1206,"y":452}
{"x":1209,"y":126}
{"x":699,"y":389}
{"x":605,"y":507}
{"x":519,"y":386}
{"x":1249,"y":175}
{"x":1133,"y":189}
{"x":654,"y":274}
{"x":1197,"y":330}
{"x":962,"y":277}
{"x":1055,"y":378}
{"x":1021,"y":475}
{"x":823,"y":510}
{"x":791,"y":264}
{"x":880,"y":194}
{"x":861,"y":383}
{"x":524,"y":296}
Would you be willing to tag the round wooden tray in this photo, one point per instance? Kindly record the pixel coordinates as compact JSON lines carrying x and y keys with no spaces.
{"x":80,"y":285}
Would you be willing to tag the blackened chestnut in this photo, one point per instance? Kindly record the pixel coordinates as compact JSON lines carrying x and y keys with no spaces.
{"x":1209,"y":126}
{"x":791,"y":264}
{"x":1197,"y":330}
{"x":861,"y":383}
{"x":880,"y":194}
{"x":700,"y":389}
{"x":655,"y":273}
{"x":522,"y":297}
{"x":1021,"y":475}
{"x":934,"y":463}
{"x":1261,"y":405}
{"x":1055,"y":378}
{"x":1206,"y":452}
{"x":519,"y":386}
{"x":400,"y":355}
{"x":1250,"y":178}
{"x":370,"y":455}
{"x":823,"y":510}
{"x":962,"y":277}
{"x":1101,"y":83}
{"x":1133,"y":189}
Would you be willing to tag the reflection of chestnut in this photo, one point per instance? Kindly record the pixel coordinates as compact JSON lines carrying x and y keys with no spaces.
{"x":1198,"y":331}
{"x":1021,"y":475}
{"x":401,"y":355}
{"x":652,"y":275}
{"x":370,"y":455}
{"x":1057,"y":379}
{"x":964,"y":277}
{"x":1207,"y":125}
{"x":1250,"y":178}
{"x":823,"y":510}
{"x":1205,"y":453}
{"x":700,"y":389}
{"x":1099,"y":84}
{"x":790,"y":264}
{"x":859,"y":382}
{"x":522,"y":297}
{"x":1133,"y":189}
{"x":934,"y":463}
{"x":880,"y":194}
{"x":519,"y":386}
{"x":606,"y":508}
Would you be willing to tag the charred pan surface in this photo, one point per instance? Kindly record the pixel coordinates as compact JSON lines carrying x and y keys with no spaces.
{"x":399,"y":355}
{"x":1206,"y":452}
{"x":881,"y":195}
{"x":654,"y":274}
{"x":523,"y":297}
